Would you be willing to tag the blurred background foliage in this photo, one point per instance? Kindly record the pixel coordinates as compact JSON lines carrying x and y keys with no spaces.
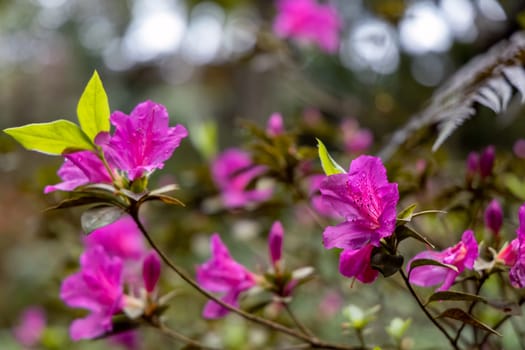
{"x":212,"y":64}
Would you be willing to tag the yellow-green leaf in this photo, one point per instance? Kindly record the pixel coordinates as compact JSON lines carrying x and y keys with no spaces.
{"x":330,"y":166}
{"x":93,"y":108}
{"x":55,"y":138}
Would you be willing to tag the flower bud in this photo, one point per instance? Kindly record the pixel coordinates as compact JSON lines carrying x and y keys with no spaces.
{"x":494,"y":216}
{"x":486,"y":161}
{"x":275,"y":125}
{"x":151,"y":271}
{"x":275,"y":242}
{"x":519,"y":148}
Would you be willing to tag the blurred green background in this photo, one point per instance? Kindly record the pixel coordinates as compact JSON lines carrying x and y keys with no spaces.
{"x":212,"y":63}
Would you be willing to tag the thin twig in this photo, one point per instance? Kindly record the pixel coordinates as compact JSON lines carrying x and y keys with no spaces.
{"x":425,"y":311}
{"x":315,"y":343}
{"x":297,"y":322}
{"x":180,"y":337}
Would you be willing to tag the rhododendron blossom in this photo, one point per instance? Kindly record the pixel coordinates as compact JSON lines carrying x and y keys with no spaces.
{"x":114,"y":269}
{"x":275,"y":125}
{"x":513,"y":254}
{"x":494,"y":216}
{"x":222,"y":274}
{"x":461,"y":256}
{"x":31,"y":325}
{"x":367,"y":201}
{"x":232,"y":171}
{"x":142,"y":142}
{"x":308,"y":21}
{"x":97,"y":287}
{"x":80,"y":168}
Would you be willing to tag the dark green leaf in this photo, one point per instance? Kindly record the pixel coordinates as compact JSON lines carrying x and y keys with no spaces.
{"x":163,"y":198}
{"x":385,"y":263}
{"x":427,"y":262}
{"x":404,"y":232}
{"x":54,"y":138}
{"x":460,"y":315}
{"x":98,"y":217}
{"x":451,"y":295}
{"x":75,"y":202}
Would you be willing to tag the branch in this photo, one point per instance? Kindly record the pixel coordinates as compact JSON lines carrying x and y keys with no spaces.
{"x":314,"y":342}
{"x":425,"y":311}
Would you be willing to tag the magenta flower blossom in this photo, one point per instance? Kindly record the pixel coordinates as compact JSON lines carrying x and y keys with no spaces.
{"x":222,"y":274}
{"x":356,"y":263}
{"x":232,"y":172}
{"x":142,"y":141}
{"x":275,"y":242}
{"x":472,"y":164}
{"x":316,"y":199}
{"x":366,"y":200}
{"x":275,"y":125}
{"x":151,"y":271}
{"x":98,"y":288}
{"x":356,"y":139}
{"x":494,"y":216}
{"x":309,"y":22}
{"x":121,"y":238}
{"x":31,"y":325}
{"x":462,"y":256}
{"x":514,"y":254}
{"x":80,"y":168}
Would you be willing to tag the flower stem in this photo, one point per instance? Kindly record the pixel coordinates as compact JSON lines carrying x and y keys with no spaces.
{"x":314,"y":342}
{"x":425,"y":311}
{"x":297,"y":322}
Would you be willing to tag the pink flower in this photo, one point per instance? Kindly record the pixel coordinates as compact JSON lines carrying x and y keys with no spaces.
{"x":31,"y":325}
{"x":356,"y":139}
{"x":494,"y":216}
{"x":275,"y":242}
{"x":275,"y":125}
{"x":462,"y":256}
{"x":97,"y":287}
{"x":142,"y":141}
{"x":309,"y":22}
{"x":356,"y":263}
{"x":80,"y":168}
{"x":366,"y":200}
{"x":472,"y":164}
{"x":514,"y":254}
{"x":233,"y":171}
{"x":222,"y":274}
{"x":317,"y":201}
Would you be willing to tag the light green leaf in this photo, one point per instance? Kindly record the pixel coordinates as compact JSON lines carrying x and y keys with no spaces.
{"x":330,"y":166}
{"x":406,"y":214}
{"x":55,"y":138}
{"x":93,"y":108}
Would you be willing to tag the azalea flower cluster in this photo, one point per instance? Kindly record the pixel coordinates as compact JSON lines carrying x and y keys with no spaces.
{"x":141,"y":143}
{"x":117,"y":275}
{"x":222,"y":274}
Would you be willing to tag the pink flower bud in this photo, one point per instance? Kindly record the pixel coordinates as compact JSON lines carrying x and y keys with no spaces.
{"x":151,"y":271}
{"x":494,"y":216}
{"x":486,"y":161}
{"x":519,"y":148}
{"x":275,"y":242}
{"x":275,"y":125}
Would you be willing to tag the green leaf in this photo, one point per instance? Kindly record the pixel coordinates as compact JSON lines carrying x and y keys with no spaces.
{"x":55,"y":138}
{"x":330,"y":166}
{"x":404,"y":232}
{"x":460,"y":315}
{"x":426,"y":262}
{"x":93,"y":108}
{"x":451,"y":295}
{"x":98,"y":217}
{"x":406,"y":214}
